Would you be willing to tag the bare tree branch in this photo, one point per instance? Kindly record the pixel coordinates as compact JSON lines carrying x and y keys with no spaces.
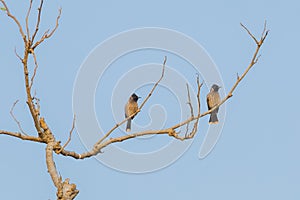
{"x":251,"y":64}
{"x":51,"y":165}
{"x":189,"y":100}
{"x":263,"y":34}
{"x":195,"y":128}
{"x":21,"y":136}
{"x":33,"y":110}
{"x":196,"y":122}
{"x":15,"y":119}
{"x":27,"y":19}
{"x":191,"y":109}
{"x":15,"y":20}
{"x":38,"y":20}
{"x":65,"y":190}
{"x":24,"y":60}
{"x":34,"y":107}
{"x":155,"y":85}
{"x":70,"y":135}
{"x":46,"y":35}
{"x":35,"y":68}
{"x":252,"y":36}
{"x":18,"y":56}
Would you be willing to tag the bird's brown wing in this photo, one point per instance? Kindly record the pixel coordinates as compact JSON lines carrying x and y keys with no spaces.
{"x":133,"y":107}
{"x":212,"y":99}
{"x":208,"y":101}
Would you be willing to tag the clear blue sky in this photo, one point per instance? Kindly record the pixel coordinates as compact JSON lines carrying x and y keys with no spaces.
{"x":257,"y":155}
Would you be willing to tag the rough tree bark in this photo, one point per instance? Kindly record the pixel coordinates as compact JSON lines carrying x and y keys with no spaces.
{"x":65,"y":189}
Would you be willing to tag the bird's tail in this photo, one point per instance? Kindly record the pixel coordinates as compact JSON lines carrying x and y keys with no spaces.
{"x":128,"y":127}
{"x":213,"y":118}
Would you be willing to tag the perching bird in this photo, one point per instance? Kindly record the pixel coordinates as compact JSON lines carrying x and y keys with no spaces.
{"x":213,"y":99}
{"x":130,"y":108}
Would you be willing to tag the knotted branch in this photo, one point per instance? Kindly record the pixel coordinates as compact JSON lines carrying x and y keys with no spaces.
{"x":65,"y":190}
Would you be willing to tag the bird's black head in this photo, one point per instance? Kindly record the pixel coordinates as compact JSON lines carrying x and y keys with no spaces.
{"x":135,"y":97}
{"x":215,"y":87}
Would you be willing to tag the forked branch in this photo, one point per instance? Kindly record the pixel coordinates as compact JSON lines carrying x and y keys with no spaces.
{"x":46,"y":34}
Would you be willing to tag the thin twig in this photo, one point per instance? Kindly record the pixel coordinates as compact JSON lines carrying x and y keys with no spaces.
{"x":252,"y":36}
{"x":18,"y":56}
{"x":35,"y":68}
{"x":15,"y":119}
{"x":15,"y":20}
{"x":155,"y":85}
{"x":191,"y":109}
{"x":56,"y":25}
{"x":38,"y":20}
{"x":26,"y":19}
{"x":21,"y":136}
{"x":187,"y":130}
{"x":46,"y":35}
{"x":195,"y":128}
{"x":198,"y":94}
{"x":264,"y":31}
{"x":70,"y":135}
{"x":189,"y":100}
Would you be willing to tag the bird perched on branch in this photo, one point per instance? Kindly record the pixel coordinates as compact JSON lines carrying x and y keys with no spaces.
{"x":130,"y":108}
{"x":213,"y":99}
